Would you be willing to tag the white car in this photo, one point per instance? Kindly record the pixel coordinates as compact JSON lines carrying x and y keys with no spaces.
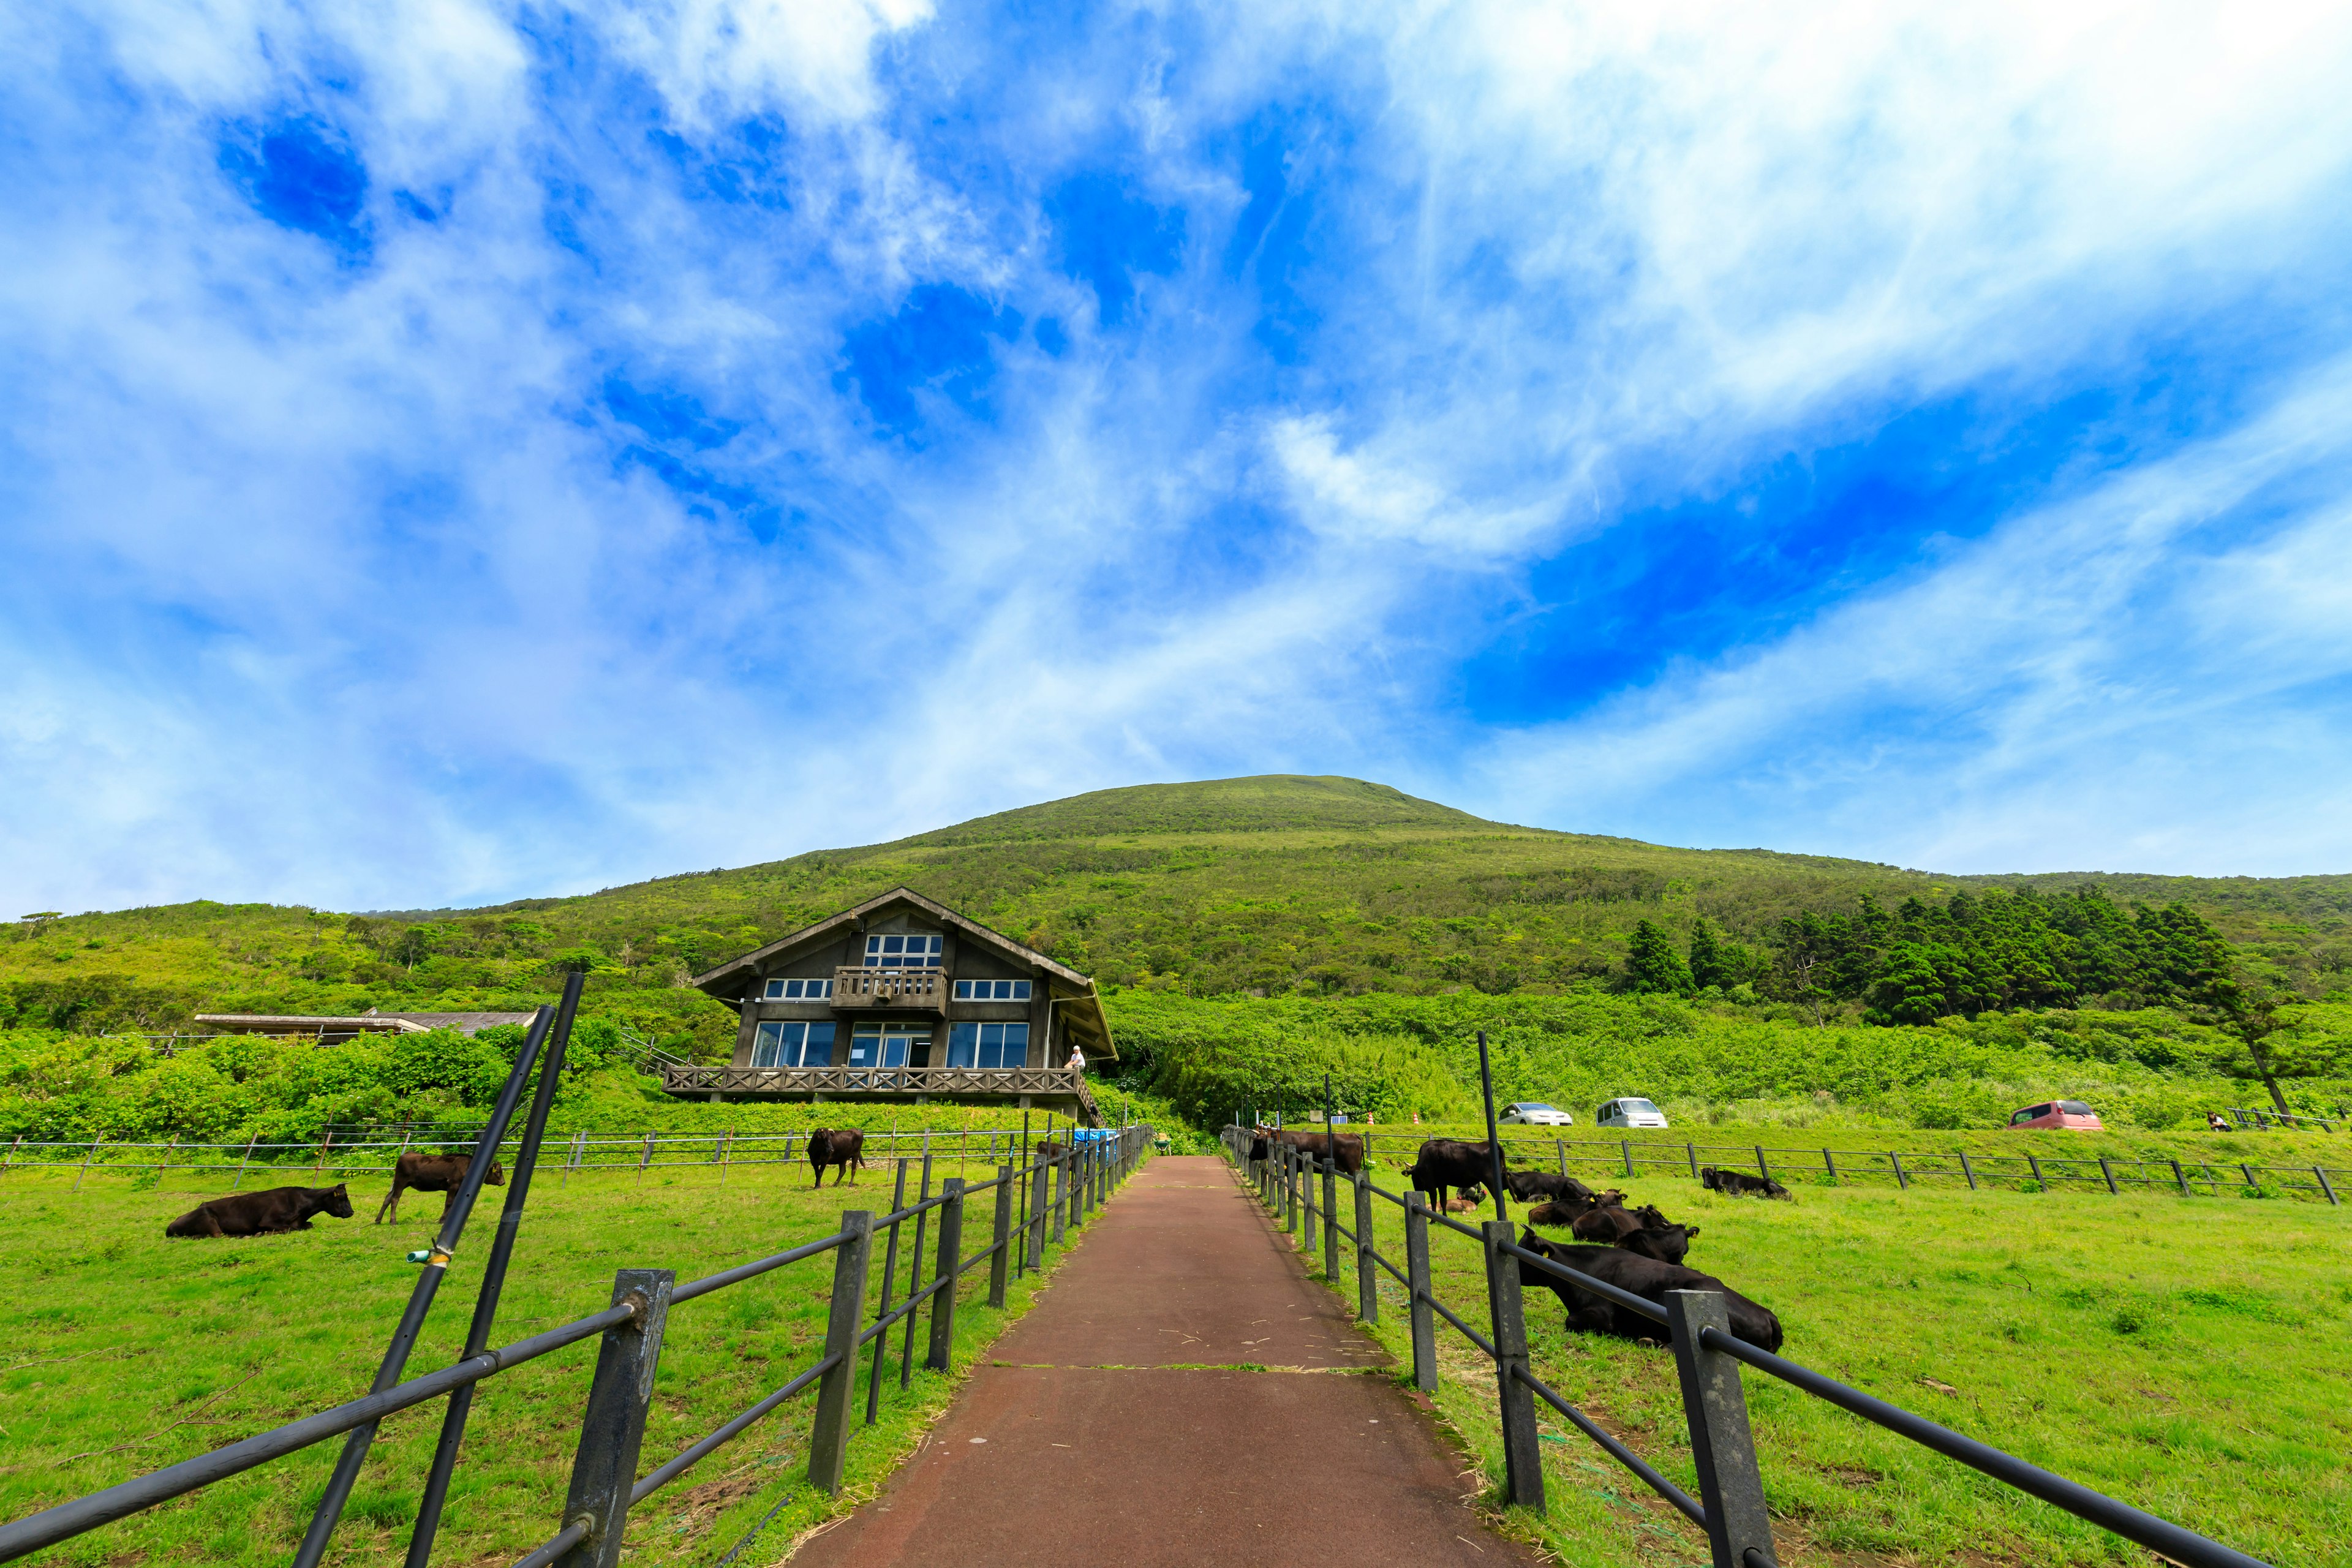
{"x":1534,"y":1113}
{"x":1631,"y":1111}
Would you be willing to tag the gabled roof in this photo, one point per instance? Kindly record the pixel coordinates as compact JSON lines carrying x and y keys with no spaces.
{"x":730,"y":981}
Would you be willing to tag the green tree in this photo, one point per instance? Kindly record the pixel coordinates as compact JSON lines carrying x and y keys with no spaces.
{"x":1652,"y":964}
{"x":1709,"y":965}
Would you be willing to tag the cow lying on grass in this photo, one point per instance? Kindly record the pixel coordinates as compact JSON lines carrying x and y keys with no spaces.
{"x":1740,"y":1184}
{"x":843,"y":1149}
{"x":1604,"y":1221}
{"x":443,"y":1174}
{"x":273,"y":1211}
{"x":1527,"y":1186}
{"x":1647,"y":1277}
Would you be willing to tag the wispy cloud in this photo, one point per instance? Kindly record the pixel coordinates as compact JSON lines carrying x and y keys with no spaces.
{"x":454,"y":452}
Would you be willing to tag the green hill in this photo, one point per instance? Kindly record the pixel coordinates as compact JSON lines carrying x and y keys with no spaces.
{"x":1196,"y":903}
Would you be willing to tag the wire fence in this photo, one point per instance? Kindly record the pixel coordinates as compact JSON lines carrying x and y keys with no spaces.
{"x":1958,"y":1167}
{"x":1731,"y":1505}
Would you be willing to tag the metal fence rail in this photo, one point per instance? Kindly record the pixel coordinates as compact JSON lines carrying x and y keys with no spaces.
{"x":1730,"y":1506}
{"x":1055,"y":1185}
{"x":1628,"y":1158}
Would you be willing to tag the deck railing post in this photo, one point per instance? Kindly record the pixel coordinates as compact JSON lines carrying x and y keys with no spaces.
{"x":999,"y":1261}
{"x":1368,"y":1293}
{"x":950,"y":1255}
{"x":1522,"y":1449}
{"x":1332,"y":1214}
{"x":1723,"y":1447}
{"x":613,"y":1429}
{"x":836,"y":1392}
{"x":1416,"y":1274}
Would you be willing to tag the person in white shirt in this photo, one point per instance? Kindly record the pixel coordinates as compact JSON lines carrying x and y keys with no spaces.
{"x":1078,"y":1060}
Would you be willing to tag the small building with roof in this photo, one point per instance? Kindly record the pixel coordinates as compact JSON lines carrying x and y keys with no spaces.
{"x":902,"y":998}
{"x":330,"y":1029}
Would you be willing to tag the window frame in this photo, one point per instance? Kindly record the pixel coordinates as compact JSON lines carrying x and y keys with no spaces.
{"x":882,"y":1034}
{"x":1019,"y":990}
{"x":879,"y":955}
{"x":971,"y":1034}
{"x":789,"y":1045}
{"x":780,"y":990}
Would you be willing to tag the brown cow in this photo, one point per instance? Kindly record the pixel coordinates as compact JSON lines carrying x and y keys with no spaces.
{"x":443,"y":1174}
{"x":1318,"y":1146}
{"x":271,"y":1211}
{"x":844,"y":1149}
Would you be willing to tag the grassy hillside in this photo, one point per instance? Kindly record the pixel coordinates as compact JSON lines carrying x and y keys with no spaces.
{"x":1284,"y":911}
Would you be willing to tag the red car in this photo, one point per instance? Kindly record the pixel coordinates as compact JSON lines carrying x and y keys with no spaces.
{"x":2072,"y":1115}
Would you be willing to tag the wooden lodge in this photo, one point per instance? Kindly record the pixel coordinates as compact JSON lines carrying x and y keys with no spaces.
{"x":901,"y":999}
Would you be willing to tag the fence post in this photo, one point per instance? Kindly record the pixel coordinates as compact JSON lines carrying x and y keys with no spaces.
{"x":1061,"y":1193}
{"x":2321,"y":1173}
{"x":836,"y":1391}
{"x":1416,"y":1274}
{"x":1002,"y":1256}
{"x":247,"y":1161}
{"x":1331,"y":1216}
{"x":1723,"y":1448}
{"x":1968,"y":1170}
{"x":1038,"y":1181}
{"x":1627,"y":1147}
{"x":1690,"y":1153}
{"x":1762,"y":1169}
{"x":613,"y":1429}
{"x":1901,"y":1179}
{"x":1829,"y":1164}
{"x":2180,"y":1178}
{"x":645,"y":1159}
{"x":12,"y":1150}
{"x":943,"y":1305}
{"x":2109,"y":1171}
{"x":2034,"y":1165}
{"x":88,"y":1155}
{"x":1289,"y":1190}
{"x":1560,"y":1154}
{"x":1368,"y":1292}
{"x":1522,"y":1450}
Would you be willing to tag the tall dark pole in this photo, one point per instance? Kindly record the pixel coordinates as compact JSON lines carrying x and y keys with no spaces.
{"x":494,"y":1277}
{"x":420,"y":1300}
{"x":1494,"y":1143}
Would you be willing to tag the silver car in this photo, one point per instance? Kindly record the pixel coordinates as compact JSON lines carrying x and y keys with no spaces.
{"x":1534,"y":1113}
{"x":1630,"y":1112}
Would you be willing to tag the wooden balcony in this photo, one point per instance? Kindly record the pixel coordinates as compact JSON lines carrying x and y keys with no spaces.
{"x":1055,"y":1089}
{"x":855,"y":988}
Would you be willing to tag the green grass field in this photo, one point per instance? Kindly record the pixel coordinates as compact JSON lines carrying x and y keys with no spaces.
{"x":2185,"y":1356}
{"x":127,"y":1352}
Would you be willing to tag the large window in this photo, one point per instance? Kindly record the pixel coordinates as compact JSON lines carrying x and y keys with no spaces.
{"x":792,"y":1044}
{"x":988,"y":1045}
{"x":992,"y":990}
{"x":902,"y":952}
{"x":797,"y":991}
{"x":887,"y":1044}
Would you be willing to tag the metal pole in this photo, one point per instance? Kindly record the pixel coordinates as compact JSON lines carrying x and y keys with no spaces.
{"x":943,"y":1305}
{"x":2180,"y":1178}
{"x":1829,"y":1164}
{"x":1061,"y":1193}
{"x":829,"y":1434}
{"x":247,"y":1161}
{"x":1625,"y":1146}
{"x":1494,"y":1140}
{"x":2034,"y":1165}
{"x":1522,"y":1449}
{"x":494,"y":1278}
{"x":1901,"y":1179}
{"x":1002,"y":1232}
{"x":1331,"y":1187}
{"x":420,"y":1300}
{"x":88,"y":1155}
{"x":2109,"y":1171}
{"x":1762,"y":1169}
{"x":1416,"y":1273}
{"x":1723,"y":1447}
{"x":612,"y":1430}
{"x":2323,"y":1187}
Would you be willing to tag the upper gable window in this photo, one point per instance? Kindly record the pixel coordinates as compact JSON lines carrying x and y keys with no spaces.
{"x":902,"y":952}
{"x":992,"y":990}
{"x":797,"y":991}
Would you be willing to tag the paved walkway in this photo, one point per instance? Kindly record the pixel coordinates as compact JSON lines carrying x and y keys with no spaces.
{"x":1116,"y":1422}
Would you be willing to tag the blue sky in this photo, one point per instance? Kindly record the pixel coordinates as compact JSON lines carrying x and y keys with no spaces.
{"x":459,"y":451}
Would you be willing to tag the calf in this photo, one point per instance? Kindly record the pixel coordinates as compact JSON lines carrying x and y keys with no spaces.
{"x":1446,"y":1164}
{"x":1642,"y":1276}
{"x":1568,"y":1211}
{"x":1529,"y":1184}
{"x":443,"y":1174}
{"x":1739,"y":1183}
{"x":272,"y":1212}
{"x":844,"y":1149}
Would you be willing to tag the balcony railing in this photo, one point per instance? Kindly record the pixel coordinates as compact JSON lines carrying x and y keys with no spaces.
{"x":856,"y":987}
{"x":683,"y":1079}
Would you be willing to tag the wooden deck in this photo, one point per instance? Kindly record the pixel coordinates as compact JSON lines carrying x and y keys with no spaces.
{"x":1053,"y":1089}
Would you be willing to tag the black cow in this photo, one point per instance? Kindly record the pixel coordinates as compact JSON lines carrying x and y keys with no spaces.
{"x":443,"y":1174}
{"x":1448,"y":1162}
{"x":271,"y":1211}
{"x":844,"y":1149}
{"x":1739,"y":1183}
{"x":1260,"y":1148}
{"x":1640,"y":1276}
{"x":1318,"y":1146}
{"x":1666,"y":1243}
{"x":1527,"y":1186}
{"x":1605,"y":1226}
{"x":1568,"y":1211}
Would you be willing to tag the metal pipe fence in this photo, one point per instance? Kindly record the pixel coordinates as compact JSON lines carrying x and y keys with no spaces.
{"x":1730,"y":1506}
{"x":604,"y":1484}
{"x":1627,"y":1159}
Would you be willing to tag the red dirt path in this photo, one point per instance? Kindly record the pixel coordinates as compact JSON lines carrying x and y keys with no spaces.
{"x":1114,"y":1422}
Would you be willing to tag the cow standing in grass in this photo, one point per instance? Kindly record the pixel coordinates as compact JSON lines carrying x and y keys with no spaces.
{"x":845,"y":1150}
{"x":1448,"y":1163}
{"x":1318,"y":1147}
{"x":271,"y":1211}
{"x":443,"y":1174}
